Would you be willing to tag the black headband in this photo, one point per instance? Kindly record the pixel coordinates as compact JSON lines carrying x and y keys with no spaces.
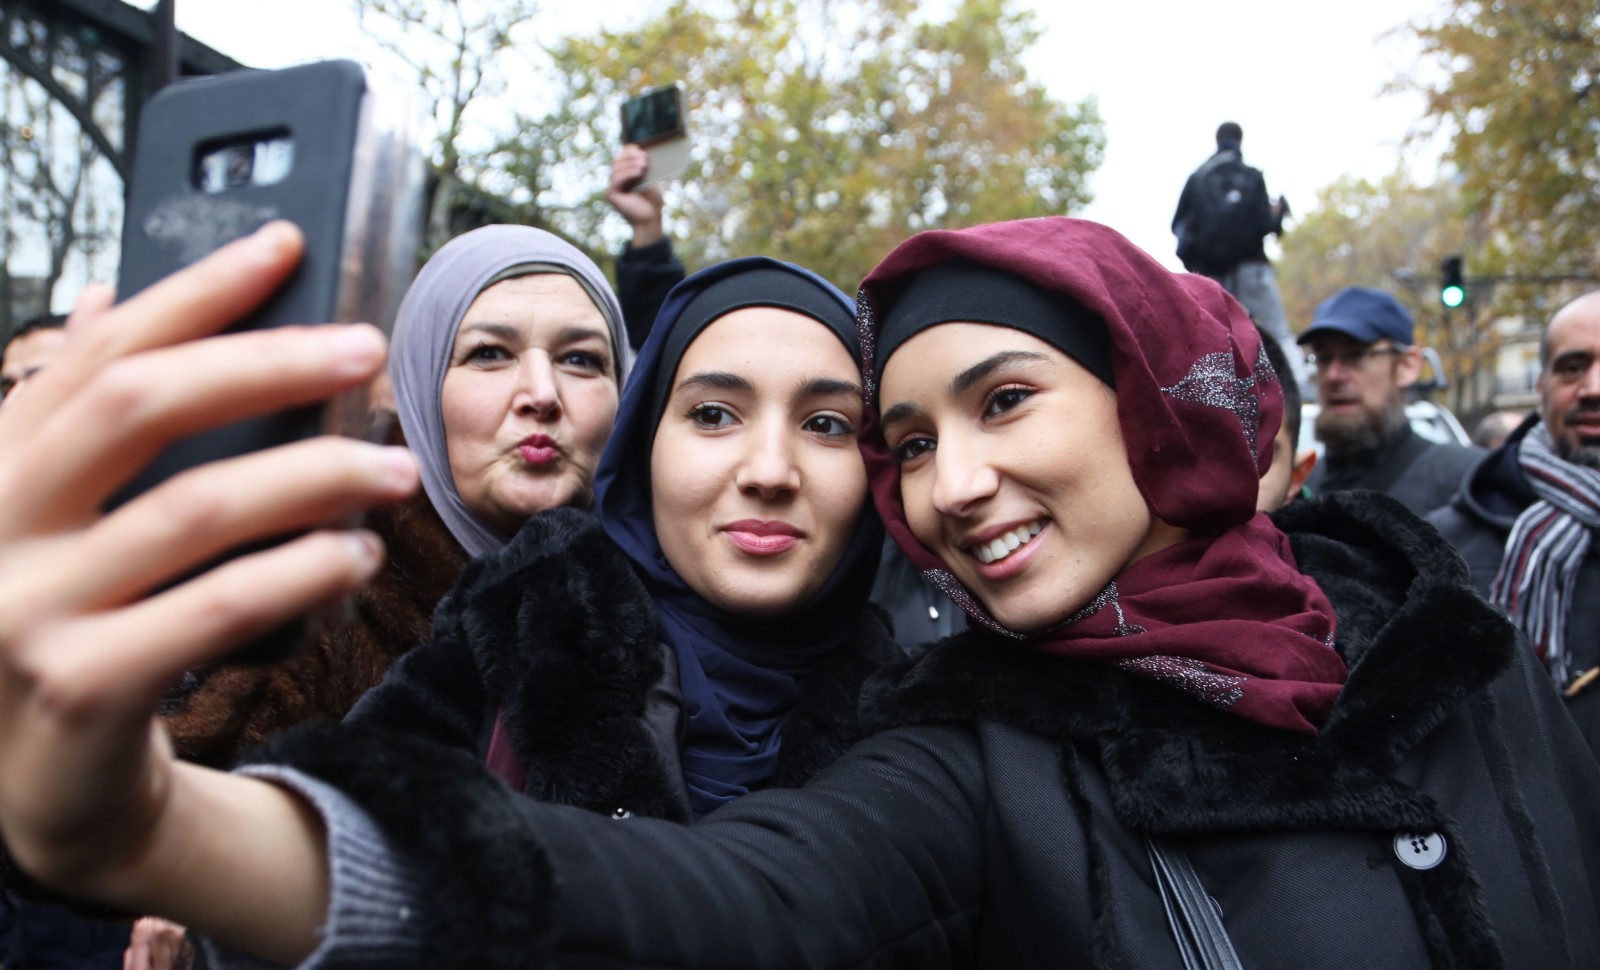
{"x":960,"y":291}
{"x":764,"y":286}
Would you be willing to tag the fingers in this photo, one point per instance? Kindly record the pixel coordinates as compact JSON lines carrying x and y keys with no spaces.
{"x":155,"y":944}
{"x":199,"y":300}
{"x":197,"y":516}
{"x":627,"y":168}
{"x":85,"y":668}
{"x":137,"y":405}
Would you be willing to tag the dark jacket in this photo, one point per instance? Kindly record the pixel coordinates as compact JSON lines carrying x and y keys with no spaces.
{"x":918,"y":612}
{"x":999,"y":820}
{"x":557,"y":636}
{"x":1478,"y":522}
{"x":644,"y":278}
{"x":1257,"y":208}
{"x":41,"y":936}
{"x":1420,"y":474}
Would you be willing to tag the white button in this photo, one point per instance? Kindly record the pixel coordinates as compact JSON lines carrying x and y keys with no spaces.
{"x":1419,"y":851}
{"x":933,"y":612}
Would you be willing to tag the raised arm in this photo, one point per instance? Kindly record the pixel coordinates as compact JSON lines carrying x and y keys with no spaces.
{"x":91,"y":801}
{"x":879,"y":862}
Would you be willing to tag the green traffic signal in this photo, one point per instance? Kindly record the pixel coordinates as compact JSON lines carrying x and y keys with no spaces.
{"x":1452,"y":287}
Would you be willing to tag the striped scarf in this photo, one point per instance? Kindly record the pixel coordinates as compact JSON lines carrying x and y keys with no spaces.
{"x":1546,"y":549}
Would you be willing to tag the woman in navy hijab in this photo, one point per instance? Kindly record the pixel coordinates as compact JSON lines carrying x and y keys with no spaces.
{"x":707,"y":631}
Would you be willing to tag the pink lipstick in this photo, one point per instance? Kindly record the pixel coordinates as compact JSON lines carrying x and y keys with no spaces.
{"x":539,"y":449}
{"x":759,"y":537}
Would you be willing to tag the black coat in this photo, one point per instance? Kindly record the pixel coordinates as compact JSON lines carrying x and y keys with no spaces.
{"x":999,"y":819}
{"x":556,"y":634}
{"x":644,"y":278}
{"x":1478,"y":522}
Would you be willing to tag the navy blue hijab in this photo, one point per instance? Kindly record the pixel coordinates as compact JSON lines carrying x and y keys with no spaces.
{"x":738,"y":676}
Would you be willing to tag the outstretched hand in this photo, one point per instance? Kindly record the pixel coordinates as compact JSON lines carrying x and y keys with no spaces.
{"x":92,"y":802}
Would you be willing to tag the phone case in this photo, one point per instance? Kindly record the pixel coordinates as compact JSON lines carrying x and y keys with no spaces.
{"x":354,"y":188}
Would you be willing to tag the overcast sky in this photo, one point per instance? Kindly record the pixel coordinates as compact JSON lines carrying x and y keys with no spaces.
{"x":1305,"y":81}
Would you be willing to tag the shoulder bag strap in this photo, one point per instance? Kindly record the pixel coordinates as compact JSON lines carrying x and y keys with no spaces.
{"x":1192,"y":914}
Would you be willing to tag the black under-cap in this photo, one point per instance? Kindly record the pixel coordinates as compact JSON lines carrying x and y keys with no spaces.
{"x":762,"y":286}
{"x":959,"y":291}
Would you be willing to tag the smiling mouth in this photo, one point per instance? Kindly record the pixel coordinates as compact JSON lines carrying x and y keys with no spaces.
{"x":1005,"y":544}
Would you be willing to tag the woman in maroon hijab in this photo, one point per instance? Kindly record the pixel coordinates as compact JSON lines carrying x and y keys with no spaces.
{"x":1177,"y":735}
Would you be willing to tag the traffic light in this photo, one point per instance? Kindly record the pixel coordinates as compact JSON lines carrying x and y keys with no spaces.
{"x":1452,"y":289}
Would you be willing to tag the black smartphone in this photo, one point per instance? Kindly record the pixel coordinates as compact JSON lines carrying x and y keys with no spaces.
{"x":654,"y":116}
{"x":219,"y":157}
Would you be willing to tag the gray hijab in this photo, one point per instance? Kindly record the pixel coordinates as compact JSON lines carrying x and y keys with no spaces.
{"x":425,"y":335}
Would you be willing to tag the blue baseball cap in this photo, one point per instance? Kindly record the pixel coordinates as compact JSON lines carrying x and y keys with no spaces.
{"x":1365,"y":314}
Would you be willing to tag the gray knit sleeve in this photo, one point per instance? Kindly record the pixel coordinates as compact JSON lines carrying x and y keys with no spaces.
{"x":371,"y":912}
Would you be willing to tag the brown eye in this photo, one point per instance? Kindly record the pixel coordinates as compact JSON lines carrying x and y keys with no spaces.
{"x":1005,"y":399}
{"x":710,"y":416}
{"x":584,"y":360}
{"x":913,"y":448}
{"x":831,"y":425}
{"x":487,"y":354}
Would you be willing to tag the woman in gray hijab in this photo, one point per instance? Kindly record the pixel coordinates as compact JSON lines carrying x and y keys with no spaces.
{"x":508,"y":357}
{"x":507,"y":361}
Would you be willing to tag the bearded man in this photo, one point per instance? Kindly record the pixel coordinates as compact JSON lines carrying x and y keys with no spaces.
{"x":1526,"y":516}
{"x":1361,"y":346}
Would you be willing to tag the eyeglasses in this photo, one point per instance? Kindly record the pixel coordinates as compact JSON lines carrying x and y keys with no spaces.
{"x":1349,"y":357}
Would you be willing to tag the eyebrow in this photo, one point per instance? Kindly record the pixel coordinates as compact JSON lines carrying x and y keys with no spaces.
{"x":504,"y":331}
{"x":903,"y":411}
{"x":571,"y":335}
{"x":824,"y":387}
{"x":720,"y":380}
{"x":963,"y":381}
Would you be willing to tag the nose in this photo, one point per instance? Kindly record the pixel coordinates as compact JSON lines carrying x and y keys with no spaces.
{"x":962,"y":478}
{"x":537,"y":393}
{"x":768,"y":468}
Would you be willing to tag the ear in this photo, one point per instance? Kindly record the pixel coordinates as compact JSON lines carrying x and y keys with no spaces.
{"x":1303,"y":465}
{"x":1408,"y":366}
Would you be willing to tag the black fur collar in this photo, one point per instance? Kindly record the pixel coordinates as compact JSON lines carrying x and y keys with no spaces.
{"x":1417,"y":638}
{"x":564,"y":636}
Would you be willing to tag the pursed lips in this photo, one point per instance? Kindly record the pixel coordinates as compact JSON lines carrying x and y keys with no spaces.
{"x":539,"y":449}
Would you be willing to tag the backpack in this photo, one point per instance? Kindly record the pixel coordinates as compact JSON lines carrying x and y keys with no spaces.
{"x":1228,"y":213}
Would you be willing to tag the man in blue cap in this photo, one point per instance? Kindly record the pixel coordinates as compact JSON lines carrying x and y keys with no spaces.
{"x":1361,"y":346}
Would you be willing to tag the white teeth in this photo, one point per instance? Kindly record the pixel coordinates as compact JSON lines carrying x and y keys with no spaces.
{"x":1006,"y":544}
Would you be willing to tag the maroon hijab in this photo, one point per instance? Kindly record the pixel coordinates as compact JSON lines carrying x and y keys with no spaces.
{"x":1225,"y":615}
